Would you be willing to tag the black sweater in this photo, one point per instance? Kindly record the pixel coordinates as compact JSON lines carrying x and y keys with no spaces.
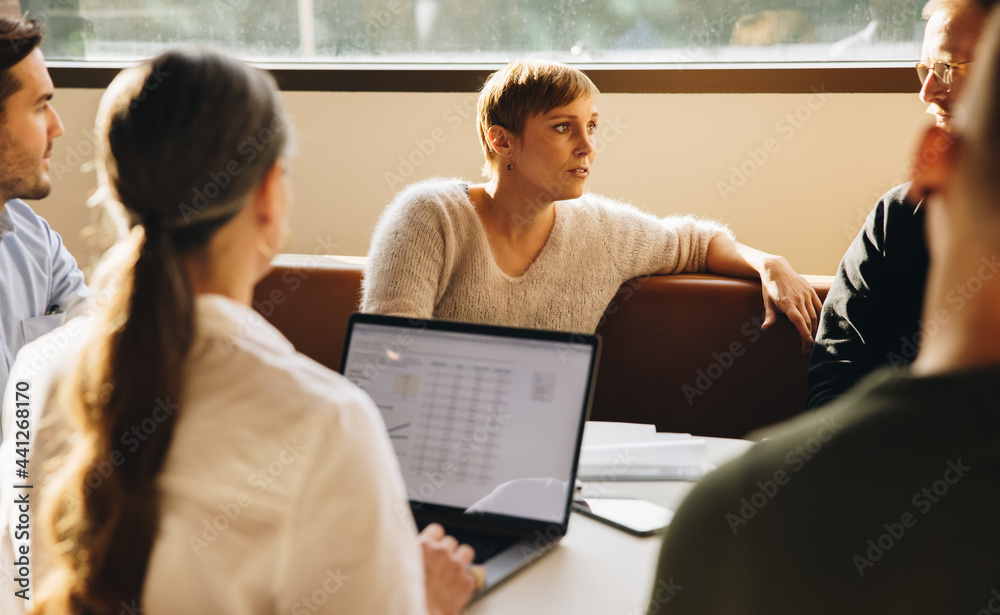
{"x":872,"y":315}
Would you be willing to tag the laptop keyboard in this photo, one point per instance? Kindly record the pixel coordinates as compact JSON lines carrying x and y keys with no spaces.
{"x":486,"y":544}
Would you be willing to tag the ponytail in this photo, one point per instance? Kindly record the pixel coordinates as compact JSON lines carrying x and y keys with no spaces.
{"x":140,"y":347}
{"x":161,"y":138}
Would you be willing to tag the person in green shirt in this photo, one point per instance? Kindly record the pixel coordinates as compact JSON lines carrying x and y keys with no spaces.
{"x":885,"y":500}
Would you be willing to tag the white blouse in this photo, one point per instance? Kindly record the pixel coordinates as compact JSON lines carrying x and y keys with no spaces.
{"x":280,"y":492}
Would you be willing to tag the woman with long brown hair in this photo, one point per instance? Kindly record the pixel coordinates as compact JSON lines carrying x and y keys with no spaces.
{"x":189,"y":460}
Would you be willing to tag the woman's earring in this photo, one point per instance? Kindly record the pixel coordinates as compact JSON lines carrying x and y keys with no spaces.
{"x":265,"y":249}
{"x":510,"y":166}
{"x":287,"y":236}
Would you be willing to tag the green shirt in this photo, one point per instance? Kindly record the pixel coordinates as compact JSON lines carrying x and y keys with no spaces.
{"x":886,"y":501}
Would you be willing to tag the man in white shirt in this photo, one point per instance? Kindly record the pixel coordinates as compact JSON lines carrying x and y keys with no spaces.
{"x":39,"y":277}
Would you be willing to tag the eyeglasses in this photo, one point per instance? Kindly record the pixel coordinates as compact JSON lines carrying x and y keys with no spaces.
{"x":941,"y":70}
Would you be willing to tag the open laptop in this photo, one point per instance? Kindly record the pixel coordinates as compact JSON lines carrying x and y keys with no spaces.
{"x":486,"y":422}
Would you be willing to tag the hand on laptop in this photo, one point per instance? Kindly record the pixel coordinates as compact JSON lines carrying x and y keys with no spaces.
{"x":449,"y":579}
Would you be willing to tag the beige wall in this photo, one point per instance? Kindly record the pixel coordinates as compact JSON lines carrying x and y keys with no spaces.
{"x":815,"y":165}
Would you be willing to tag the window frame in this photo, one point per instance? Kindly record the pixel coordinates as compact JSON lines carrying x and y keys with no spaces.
{"x":753,"y":78}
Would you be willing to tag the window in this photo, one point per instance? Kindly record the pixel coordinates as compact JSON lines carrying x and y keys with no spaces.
{"x":450,"y":45}
{"x":489,"y":31}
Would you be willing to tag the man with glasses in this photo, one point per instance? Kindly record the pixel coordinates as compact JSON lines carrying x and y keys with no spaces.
{"x":883,"y":501}
{"x":872,"y":316}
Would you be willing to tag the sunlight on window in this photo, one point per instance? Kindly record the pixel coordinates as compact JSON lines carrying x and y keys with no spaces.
{"x":489,"y":31}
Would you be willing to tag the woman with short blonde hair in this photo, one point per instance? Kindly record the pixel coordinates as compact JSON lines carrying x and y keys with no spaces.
{"x":530,"y":247}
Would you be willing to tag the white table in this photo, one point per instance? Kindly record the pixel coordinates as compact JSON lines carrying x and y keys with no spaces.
{"x":596,"y":568}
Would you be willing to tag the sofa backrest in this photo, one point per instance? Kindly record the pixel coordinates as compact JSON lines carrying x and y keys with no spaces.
{"x":684,"y":352}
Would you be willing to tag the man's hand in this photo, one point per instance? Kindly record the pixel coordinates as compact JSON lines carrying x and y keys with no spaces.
{"x":447,"y":574}
{"x":792,"y":294}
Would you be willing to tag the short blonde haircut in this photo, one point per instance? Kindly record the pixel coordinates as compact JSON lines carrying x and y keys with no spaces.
{"x":522,"y":89}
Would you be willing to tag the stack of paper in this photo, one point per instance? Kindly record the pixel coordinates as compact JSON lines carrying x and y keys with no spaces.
{"x":632,"y":451}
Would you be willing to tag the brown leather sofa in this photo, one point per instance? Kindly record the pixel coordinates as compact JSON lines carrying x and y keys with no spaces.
{"x":683,"y":352}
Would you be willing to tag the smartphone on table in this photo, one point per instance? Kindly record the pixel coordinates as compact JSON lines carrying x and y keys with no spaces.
{"x":637,"y":517}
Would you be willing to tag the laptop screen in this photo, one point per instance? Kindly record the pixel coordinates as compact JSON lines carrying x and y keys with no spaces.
{"x":483,"y":419}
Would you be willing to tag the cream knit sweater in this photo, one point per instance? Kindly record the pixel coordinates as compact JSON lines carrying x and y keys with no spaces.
{"x":430,"y":258}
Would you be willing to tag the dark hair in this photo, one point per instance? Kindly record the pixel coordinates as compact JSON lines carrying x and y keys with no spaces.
{"x":173,"y":151}
{"x":18,"y":38}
